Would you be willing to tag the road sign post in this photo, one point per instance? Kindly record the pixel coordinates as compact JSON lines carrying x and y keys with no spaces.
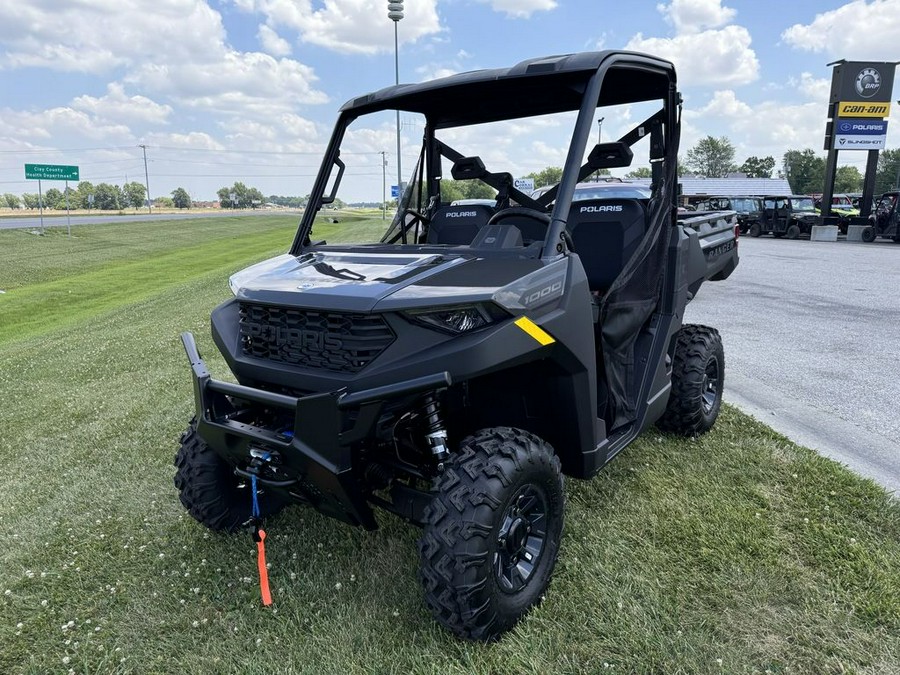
{"x":41,"y":204}
{"x":68,"y":221}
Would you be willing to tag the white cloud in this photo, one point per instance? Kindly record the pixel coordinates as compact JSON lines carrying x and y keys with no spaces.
{"x":271,"y":42}
{"x":521,"y":9}
{"x":693,"y":16}
{"x":725,"y":104}
{"x":857,"y":30}
{"x":95,"y":36}
{"x":194,"y":140}
{"x":116,"y":106}
{"x":241,"y":82}
{"x":710,"y":58}
{"x":348,"y":26}
{"x":61,"y":122}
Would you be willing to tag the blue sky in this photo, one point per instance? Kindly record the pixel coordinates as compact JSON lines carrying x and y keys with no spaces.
{"x":224,"y":90}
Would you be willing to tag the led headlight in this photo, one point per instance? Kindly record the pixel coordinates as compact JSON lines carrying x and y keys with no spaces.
{"x":460,"y":318}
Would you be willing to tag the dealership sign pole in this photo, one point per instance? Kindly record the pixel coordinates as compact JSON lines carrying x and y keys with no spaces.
{"x":62,"y":172}
{"x":860,"y":100}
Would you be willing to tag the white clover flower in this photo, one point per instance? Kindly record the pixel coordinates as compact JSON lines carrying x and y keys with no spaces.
{"x":66,"y":660}
{"x":196,"y":624}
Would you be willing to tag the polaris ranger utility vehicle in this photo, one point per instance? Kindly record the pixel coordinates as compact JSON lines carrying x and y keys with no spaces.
{"x":787,"y":216}
{"x":453,"y":371}
{"x":885,"y":219}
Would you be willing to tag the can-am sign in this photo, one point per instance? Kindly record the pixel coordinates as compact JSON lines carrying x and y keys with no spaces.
{"x":860,"y":134}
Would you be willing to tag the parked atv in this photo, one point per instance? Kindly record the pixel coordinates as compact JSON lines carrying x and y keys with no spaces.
{"x":452,"y":372}
{"x":885,"y":219}
{"x":787,"y":216}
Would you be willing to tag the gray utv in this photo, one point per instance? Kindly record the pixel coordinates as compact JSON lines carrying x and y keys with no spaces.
{"x":452,"y":372}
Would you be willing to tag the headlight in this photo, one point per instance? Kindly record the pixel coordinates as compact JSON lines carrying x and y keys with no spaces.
{"x":458,"y":319}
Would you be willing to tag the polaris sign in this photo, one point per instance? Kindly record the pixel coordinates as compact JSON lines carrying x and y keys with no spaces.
{"x":860,"y":134}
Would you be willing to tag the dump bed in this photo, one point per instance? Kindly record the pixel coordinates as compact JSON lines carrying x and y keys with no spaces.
{"x":713,"y":244}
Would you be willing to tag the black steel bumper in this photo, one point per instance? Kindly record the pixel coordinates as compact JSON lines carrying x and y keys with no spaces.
{"x":316,"y":453}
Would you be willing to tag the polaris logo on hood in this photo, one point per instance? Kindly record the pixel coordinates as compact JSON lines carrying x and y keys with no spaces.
{"x":617,"y":208}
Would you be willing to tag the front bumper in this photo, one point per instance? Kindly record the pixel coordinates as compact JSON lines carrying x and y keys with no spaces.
{"x":315,"y":453}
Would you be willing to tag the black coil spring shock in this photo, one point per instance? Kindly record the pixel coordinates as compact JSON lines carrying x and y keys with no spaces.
{"x":435,"y":433}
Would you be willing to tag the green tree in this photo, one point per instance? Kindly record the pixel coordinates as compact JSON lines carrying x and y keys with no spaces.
{"x":549,"y":176}
{"x":135,"y":193}
{"x":805,"y":171}
{"x":255,"y":198}
{"x":106,"y":197}
{"x":31,"y":200}
{"x":640,"y":172}
{"x":712,"y":157}
{"x":53,"y":198}
{"x":756,"y":167}
{"x":181,"y":199}
{"x":241,"y":198}
{"x":164,"y":203}
{"x":84,"y":189}
{"x":848,"y":179}
{"x":12,"y":201}
{"x":888,"y":175}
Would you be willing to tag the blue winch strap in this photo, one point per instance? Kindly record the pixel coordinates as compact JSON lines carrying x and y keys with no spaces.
{"x":253,"y":496}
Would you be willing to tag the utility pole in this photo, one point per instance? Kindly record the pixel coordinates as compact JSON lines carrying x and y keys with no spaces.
{"x":383,"y":180}
{"x":146,"y":177}
{"x":395,"y":13}
{"x":600,"y":128}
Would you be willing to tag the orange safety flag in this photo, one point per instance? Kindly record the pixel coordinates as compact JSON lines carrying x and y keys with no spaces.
{"x":260,"y":539}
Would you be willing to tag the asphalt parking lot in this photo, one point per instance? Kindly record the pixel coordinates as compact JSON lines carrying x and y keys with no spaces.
{"x":812,"y":344}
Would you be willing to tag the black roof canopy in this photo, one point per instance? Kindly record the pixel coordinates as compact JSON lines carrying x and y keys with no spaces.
{"x":538,"y":86}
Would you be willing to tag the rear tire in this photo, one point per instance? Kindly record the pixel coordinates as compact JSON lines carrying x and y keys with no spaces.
{"x":755,"y":230}
{"x":209,"y":490}
{"x":492,"y":532}
{"x":698,"y":376}
{"x":868,"y":234}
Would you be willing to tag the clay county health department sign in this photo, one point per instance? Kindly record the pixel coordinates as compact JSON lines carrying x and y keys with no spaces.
{"x":50,"y":172}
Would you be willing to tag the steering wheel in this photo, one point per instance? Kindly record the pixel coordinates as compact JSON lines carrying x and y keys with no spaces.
{"x":535,"y":223}
{"x":410,"y":224}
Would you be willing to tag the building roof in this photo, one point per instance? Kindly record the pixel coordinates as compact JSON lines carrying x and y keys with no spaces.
{"x":727,"y":187}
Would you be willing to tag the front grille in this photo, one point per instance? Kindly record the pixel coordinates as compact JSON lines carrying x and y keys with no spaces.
{"x":333,"y":341}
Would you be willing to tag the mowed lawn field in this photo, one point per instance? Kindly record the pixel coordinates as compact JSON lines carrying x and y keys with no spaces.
{"x":736,"y":552}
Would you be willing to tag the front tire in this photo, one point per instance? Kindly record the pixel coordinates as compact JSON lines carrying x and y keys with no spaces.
{"x":209,"y":490}
{"x":868,"y":234}
{"x":793,"y":231}
{"x":492,"y":532}
{"x":698,"y":376}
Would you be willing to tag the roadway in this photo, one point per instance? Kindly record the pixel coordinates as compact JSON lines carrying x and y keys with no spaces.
{"x":812,"y":346}
{"x":34,"y":222}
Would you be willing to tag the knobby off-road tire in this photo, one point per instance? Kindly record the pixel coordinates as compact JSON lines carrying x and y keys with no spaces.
{"x":208,"y":488}
{"x":698,"y":376}
{"x":868,"y":234}
{"x":755,"y":230}
{"x":793,"y":231}
{"x":492,"y":532}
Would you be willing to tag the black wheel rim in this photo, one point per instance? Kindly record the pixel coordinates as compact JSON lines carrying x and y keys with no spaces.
{"x":521,"y":539}
{"x":710,"y":387}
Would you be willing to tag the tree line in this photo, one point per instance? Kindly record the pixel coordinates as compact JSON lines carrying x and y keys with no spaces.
{"x":100,"y":197}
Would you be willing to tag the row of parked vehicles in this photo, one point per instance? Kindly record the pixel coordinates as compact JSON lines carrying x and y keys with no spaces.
{"x":790,"y":216}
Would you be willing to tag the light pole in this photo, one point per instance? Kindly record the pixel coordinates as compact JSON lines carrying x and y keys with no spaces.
{"x":383,"y":196}
{"x":395,"y":13}
{"x":600,"y":129}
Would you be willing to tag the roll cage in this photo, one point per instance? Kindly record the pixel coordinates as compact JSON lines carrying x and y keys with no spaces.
{"x":579,"y":82}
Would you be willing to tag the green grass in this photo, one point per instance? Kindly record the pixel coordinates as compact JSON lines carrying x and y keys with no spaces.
{"x":738,"y":546}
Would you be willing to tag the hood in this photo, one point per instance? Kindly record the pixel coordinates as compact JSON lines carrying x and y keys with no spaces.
{"x":358,"y":282}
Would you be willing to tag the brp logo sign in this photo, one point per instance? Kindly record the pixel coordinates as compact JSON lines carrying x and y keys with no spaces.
{"x":868,"y":82}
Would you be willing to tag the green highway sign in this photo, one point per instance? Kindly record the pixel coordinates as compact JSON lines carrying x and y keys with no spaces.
{"x":50,"y":172}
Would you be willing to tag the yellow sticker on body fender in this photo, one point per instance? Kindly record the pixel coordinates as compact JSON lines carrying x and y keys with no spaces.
{"x":847,"y":109}
{"x":535,"y":331}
